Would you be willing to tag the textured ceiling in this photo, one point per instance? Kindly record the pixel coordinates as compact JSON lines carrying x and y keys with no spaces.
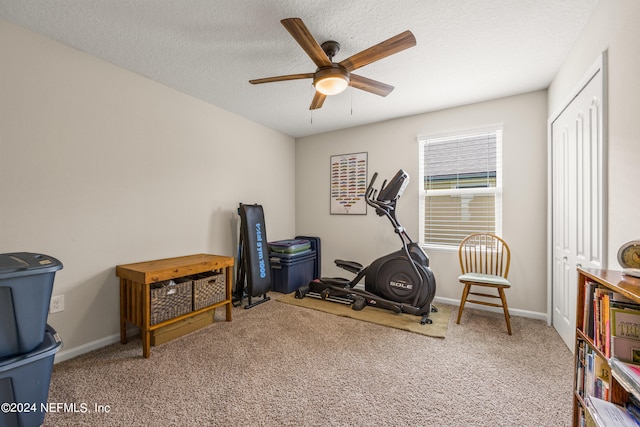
{"x":467,"y":50}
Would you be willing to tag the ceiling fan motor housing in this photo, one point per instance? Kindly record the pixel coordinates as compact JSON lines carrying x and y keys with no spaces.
{"x":333,"y":71}
{"x":331,"y":48}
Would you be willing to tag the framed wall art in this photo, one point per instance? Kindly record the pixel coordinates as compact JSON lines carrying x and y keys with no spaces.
{"x":348,"y":184}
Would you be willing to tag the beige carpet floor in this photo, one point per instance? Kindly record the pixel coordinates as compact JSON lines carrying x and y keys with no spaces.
{"x":282,"y":365}
{"x":404,"y":321}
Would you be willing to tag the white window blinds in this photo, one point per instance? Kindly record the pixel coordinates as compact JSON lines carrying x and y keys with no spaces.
{"x":462,"y":191}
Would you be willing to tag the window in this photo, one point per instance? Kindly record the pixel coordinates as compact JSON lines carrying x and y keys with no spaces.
{"x":462,"y":191}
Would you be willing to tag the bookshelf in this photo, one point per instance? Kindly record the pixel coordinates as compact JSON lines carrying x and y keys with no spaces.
{"x":602,"y":374}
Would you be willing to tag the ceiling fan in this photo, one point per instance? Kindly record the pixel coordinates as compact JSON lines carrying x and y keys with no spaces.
{"x":331,"y":78}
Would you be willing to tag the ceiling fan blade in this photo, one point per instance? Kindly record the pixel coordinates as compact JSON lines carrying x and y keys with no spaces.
{"x":386,"y":48}
{"x":299,"y":31}
{"x":369,"y":85}
{"x":282,"y":78}
{"x":318,"y":100}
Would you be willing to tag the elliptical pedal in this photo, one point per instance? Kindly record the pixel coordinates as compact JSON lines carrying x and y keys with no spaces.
{"x":305,"y":291}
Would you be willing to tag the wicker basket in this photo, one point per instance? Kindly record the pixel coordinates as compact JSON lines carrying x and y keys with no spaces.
{"x":208,"y":289}
{"x":170,"y":300}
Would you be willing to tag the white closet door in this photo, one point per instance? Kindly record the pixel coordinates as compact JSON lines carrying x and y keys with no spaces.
{"x":578,"y":203}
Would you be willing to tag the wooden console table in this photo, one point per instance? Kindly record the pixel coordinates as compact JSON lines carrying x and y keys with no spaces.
{"x":135,"y":280}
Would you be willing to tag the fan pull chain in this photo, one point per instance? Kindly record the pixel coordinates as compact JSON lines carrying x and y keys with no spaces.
{"x":351,"y":94}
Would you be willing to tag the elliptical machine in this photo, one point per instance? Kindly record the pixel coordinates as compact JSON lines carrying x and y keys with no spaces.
{"x":400,"y":281}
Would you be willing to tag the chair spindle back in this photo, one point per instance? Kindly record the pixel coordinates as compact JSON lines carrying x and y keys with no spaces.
{"x":486,"y":254}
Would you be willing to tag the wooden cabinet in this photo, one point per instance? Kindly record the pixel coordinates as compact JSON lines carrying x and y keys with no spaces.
{"x":598,"y":349}
{"x":135,"y":290}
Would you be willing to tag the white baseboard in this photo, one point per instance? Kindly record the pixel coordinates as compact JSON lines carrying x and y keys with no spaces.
{"x":63,"y":354}
{"x":513,"y":312}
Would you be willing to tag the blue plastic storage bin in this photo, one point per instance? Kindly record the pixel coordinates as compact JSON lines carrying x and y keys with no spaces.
{"x":26,"y":283}
{"x":315,"y":246}
{"x":292,"y":246}
{"x":24,"y":383}
{"x":289,"y":272}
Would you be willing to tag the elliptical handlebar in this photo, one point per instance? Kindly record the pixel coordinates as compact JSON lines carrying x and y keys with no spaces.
{"x":385,"y":200}
{"x":368,"y":194}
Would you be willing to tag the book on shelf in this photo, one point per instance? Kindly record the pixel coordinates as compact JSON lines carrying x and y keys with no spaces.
{"x":602,"y":374}
{"x":580,"y":368}
{"x":619,"y":298}
{"x":589,"y":375}
{"x":601,"y":319}
{"x":606,"y":321}
{"x":628,"y":373}
{"x":625,"y":322}
{"x":587,"y":322}
{"x":633,"y":408}
{"x":608,"y":314}
{"x":609,"y":414}
{"x":625,"y":333}
{"x":625,"y":349}
{"x":593,"y":373}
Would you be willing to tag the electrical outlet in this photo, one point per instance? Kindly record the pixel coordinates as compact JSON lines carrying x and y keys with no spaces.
{"x":57,"y":304}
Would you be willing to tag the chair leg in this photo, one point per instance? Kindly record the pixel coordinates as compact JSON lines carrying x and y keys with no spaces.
{"x":505,"y":308}
{"x":465,"y":292}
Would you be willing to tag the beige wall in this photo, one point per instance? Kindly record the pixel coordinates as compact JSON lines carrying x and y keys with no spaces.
{"x":100,"y":167}
{"x":614,"y":27}
{"x":392,"y":145}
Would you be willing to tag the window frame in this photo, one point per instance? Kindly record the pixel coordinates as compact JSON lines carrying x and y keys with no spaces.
{"x":423,"y":140}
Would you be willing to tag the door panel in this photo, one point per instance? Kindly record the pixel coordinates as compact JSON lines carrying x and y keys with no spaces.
{"x":577,"y":229}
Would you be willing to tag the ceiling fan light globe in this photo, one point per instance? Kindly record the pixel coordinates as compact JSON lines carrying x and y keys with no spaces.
{"x":331,"y":85}
{"x":331,"y":81}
